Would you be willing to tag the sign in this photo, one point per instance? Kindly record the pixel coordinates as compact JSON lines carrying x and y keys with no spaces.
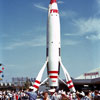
{"x":91,"y":74}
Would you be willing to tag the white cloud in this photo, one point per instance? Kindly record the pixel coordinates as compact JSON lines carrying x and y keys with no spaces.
{"x":10,"y":65}
{"x":90,"y":28}
{"x":39,"y":41}
{"x":87,"y":26}
{"x":40,"y":7}
{"x":68,"y":14}
{"x":60,"y":2}
{"x":97,"y":8}
{"x":70,"y":42}
{"x":71,"y":34}
{"x":93,"y":37}
{"x":98,"y":4}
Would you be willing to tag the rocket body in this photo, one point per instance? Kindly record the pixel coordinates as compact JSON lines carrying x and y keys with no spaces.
{"x":53,"y":58}
{"x":53,"y":43}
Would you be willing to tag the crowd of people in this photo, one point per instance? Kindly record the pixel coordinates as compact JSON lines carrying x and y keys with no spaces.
{"x":51,"y":94}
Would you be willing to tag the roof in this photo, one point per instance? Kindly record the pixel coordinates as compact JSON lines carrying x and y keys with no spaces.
{"x":87,"y":81}
{"x":95,"y":73}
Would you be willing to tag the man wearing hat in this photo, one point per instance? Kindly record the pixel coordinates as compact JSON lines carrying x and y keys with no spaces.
{"x":32,"y":95}
{"x":97,"y":95}
{"x":53,"y":94}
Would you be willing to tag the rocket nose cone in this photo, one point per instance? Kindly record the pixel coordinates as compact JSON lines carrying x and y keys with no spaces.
{"x":52,"y":1}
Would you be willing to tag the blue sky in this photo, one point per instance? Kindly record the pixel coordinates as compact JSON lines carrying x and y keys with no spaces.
{"x":23,"y":25}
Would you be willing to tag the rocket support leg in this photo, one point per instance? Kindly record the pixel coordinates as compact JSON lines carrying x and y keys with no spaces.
{"x":62,"y":81}
{"x":68,"y":79}
{"x":39,"y":77}
{"x":44,"y":81}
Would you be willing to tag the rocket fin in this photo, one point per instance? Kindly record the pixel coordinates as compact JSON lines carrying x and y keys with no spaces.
{"x":62,"y":81}
{"x":68,"y":79}
{"x":44,"y":81}
{"x":37,"y":82}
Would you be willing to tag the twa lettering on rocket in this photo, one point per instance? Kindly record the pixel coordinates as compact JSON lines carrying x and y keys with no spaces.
{"x":53,"y":58}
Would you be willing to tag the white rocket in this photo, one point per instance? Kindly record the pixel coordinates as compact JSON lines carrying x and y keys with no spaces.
{"x":53,"y":58}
